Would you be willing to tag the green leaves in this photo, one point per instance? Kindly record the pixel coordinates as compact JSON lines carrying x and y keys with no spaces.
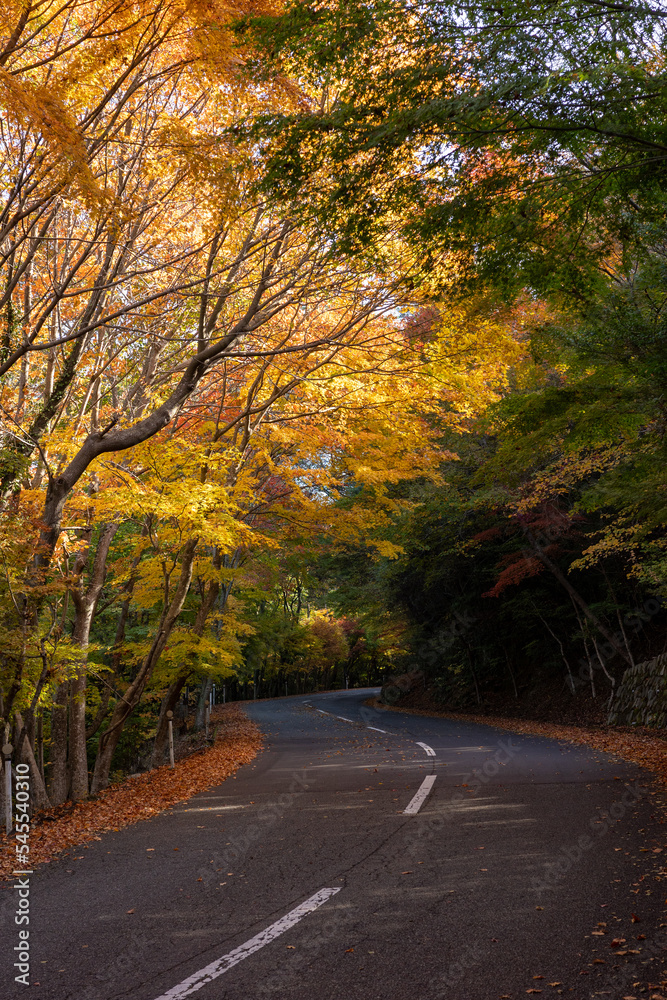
{"x":505,"y":140}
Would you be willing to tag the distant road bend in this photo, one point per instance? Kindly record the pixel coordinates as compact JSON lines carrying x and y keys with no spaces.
{"x":372,"y":855}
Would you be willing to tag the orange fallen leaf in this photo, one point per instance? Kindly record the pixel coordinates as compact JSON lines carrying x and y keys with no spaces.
{"x":130,"y":911}
{"x":348,"y":950}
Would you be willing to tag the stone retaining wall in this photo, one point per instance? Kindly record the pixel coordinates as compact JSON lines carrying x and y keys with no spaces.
{"x":641,"y":699}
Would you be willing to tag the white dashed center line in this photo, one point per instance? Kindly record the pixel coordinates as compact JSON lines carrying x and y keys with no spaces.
{"x":341,"y":717}
{"x":226,"y":962}
{"x":418,"y":801}
{"x":429,"y":750}
{"x":376,"y":730}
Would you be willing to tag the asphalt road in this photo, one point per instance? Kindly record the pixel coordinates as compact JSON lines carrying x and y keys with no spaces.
{"x":518,"y":868}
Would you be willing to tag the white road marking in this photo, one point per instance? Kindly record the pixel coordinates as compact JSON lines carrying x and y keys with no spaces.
{"x":222,"y":965}
{"x":429,"y":750}
{"x":323,"y":712}
{"x":375,"y":729}
{"x":343,"y":718}
{"x":209,"y":809}
{"x":418,"y":801}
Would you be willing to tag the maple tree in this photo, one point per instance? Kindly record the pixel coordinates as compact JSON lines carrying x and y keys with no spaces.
{"x":553,"y":518}
{"x":517,"y":141}
{"x":152,"y":300}
{"x":522,"y":150}
{"x":313,"y":352}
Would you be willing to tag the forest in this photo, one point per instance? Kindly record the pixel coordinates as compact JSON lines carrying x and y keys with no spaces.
{"x":333,"y":351}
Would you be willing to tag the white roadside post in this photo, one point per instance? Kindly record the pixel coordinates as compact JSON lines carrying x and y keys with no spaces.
{"x":7,"y":759}
{"x":170,"y":716}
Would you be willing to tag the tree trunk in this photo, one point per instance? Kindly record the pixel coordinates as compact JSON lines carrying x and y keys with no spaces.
{"x":577,"y":598}
{"x":213,"y":590}
{"x":129,"y":701}
{"x":85,"y":609}
{"x":27,"y":729}
{"x":59,"y":777}
{"x":40,"y":745}
{"x":119,"y":638}
{"x":200,"y":718}
{"x":38,"y":795}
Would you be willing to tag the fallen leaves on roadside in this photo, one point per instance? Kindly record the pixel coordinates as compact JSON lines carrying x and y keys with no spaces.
{"x":129,"y":802}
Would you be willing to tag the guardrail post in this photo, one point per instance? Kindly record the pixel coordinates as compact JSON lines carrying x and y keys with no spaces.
{"x":7,"y":751}
{"x":170,"y":716}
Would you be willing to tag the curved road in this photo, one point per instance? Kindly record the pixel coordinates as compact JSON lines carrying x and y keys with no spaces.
{"x":369,"y":855}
